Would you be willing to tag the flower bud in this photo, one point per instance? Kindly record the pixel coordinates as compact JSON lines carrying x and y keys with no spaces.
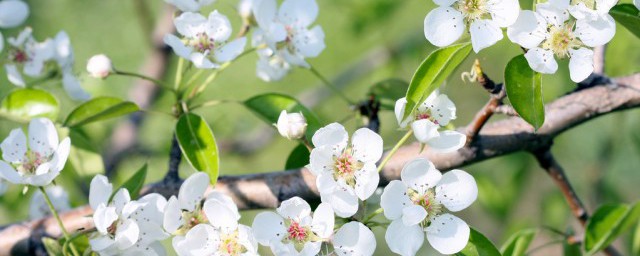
{"x":291,"y":126}
{"x":99,"y":66}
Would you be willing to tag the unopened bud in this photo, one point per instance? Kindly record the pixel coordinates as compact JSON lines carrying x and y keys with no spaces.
{"x":99,"y":66}
{"x":291,"y":126}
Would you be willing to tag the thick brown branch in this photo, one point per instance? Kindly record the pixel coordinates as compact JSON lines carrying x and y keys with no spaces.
{"x":267,"y":190}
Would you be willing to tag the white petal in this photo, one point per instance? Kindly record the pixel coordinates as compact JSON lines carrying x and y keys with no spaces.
{"x":367,"y":145}
{"x":221,"y":216}
{"x":420,"y":174}
{"x":60,"y":155}
{"x":580,"y":64}
{"x":223,"y":199}
{"x":311,"y":248}
{"x":504,"y":12}
{"x":343,"y":200}
{"x":103,"y":217}
{"x":326,"y":183}
{"x":231,"y":50}
{"x":172,"y":216}
{"x":177,"y":45}
{"x":541,"y":60}
{"x":192,"y":190}
{"x":218,"y":26}
{"x":309,"y":43}
{"x":268,"y":226}
{"x":413,"y":215}
{"x":120,"y":199}
{"x":74,"y":89}
{"x":127,"y":234}
{"x":189,"y":24}
{"x":99,"y":191}
{"x":201,"y":240}
{"x":443,"y":109}
{"x":294,"y":208}
{"x":43,"y":138}
{"x":354,"y":238}
{"x":333,"y":135}
{"x":448,"y":234}
{"x":202,"y":61}
{"x":367,"y":181}
{"x":404,"y":240}
{"x":298,"y":12}
{"x":321,"y":160}
{"x":265,"y":12}
{"x":448,"y":141}
{"x":484,"y":33}
{"x":1,"y":42}
{"x":399,"y":111}
{"x":21,"y":38}
{"x":456,"y":190}
{"x":581,"y":11}
{"x":13,"y":75}
{"x":100,"y":243}
{"x":443,"y":26}
{"x":185,"y":5}
{"x":323,"y":221}
{"x":9,"y":173}
{"x":294,"y":58}
{"x":596,"y":32}
{"x":14,"y":147}
{"x":604,"y":6}
{"x":553,"y":12}
{"x":13,"y":13}
{"x":272,"y":68}
{"x":529,"y":30}
{"x":246,"y":238}
{"x":394,"y":198}
{"x":424,"y":130}
{"x":444,"y":2}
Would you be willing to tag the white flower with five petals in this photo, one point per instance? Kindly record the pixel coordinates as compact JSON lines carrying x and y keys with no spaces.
{"x":354,"y":238}
{"x":435,"y":112}
{"x":38,"y":162}
{"x":25,"y":52}
{"x":484,"y":18}
{"x":345,"y":172}
{"x":293,"y":230}
{"x":205,"y":39}
{"x":417,"y":205}
{"x":12,"y":14}
{"x":63,"y":54}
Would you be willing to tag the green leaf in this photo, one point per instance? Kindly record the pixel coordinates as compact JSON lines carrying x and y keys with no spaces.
{"x":135,"y":183}
{"x":524,"y":91}
{"x":97,"y":109}
{"x":268,"y":107}
{"x":518,"y":243}
{"x":607,"y":223}
{"x":478,"y":245}
{"x":198,"y":145}
{"x":389,"y":91}
{"x":628,"y":16}
{"x":433,"y":71}
{"x":30,"y":103}
{"x":572,"y":249}
{"x":635,"y":241}
{"x":84,"y":156}
{"x":298,"y":158}
{"x":52,"y":246}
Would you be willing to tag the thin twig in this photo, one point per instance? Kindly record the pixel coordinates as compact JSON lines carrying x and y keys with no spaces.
{"x":497,"y":94}
{"x":175,"y":157}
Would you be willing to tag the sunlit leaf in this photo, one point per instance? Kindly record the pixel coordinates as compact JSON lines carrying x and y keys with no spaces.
{"x":52,"y":246}
{"x":268,"y":107}
{"x":298,"y":158}
{"x":479,"y":245}
{"x":433,"y":71}
{"x":135,"y":183}
{"x":628,"y":16}
{"x":518,"y":243}
{"x":388,"y":91}
{"x":30,"y":103}
{"x":97,"y":109}
{"x":198,"y":145}
{"x":524,"y":90}
{"x":607,"y":223}
{"x":84,"y":155}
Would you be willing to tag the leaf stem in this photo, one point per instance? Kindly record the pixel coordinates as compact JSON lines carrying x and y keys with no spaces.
{"x":57,"y":217}
{"x":179,"y":72}
{"x":331,"y":86}
{"x":394,"y":149}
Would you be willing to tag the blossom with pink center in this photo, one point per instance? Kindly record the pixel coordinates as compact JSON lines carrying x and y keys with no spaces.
{"x":293,"y":230}
{"x":26,"y":53}
{"x":345,"y":172}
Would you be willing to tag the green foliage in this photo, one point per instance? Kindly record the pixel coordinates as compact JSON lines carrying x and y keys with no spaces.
{"x":29,"y":103}
{"x":52,"y":246}
{"x":135,"y":183}
{"x":524,"y":90}
{"x":635,"y":241}
{"x":97,"y":109}
{"x":607,"y":223}
{"x":518,"y":243}
{"x":298,"y":158}
{"x":198,"y":145}
{"x":628,"y":16}
{"x":84,"y":155}
{"x":433,"y":71}
{"x":268,"y":107}
{"x":388,"y":91}
{"x":478,"y":245}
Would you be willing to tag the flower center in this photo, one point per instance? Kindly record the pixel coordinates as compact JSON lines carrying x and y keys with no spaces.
{"x":31,"y":163}
{"x":428,"y":202}
{"x":229,"y":244}
{"x":345,"y":167}
{"x":425,"y":115}
{"x":201,"y":42}
{"x":191,"y":219}
{"x":561,"y":40}
{"x":111,"y":230}
{"x":588,"y":3}
{"x":18,"y":56}
{"x":296,"y":232}
{"x":472,"y":9}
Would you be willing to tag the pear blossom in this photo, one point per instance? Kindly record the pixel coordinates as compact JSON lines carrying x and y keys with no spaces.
{"x":285,"y":31}
{"x":417,"y":204}
{"x":354,"y":238}
{"x":345,"y":172}
{"x":291,"y":125}
{"x":293,"y":230}
{"x":65,"y":59}
{"x":25,"y":52}
{"x":205,"y":39}
{"x":149,"y":217}
{"x":38,"y":207}
{"x":189,"y":5}
{"x":99,"y":66}
{"x":549,"y":32}
{"x":271,"y":68}
{"x":185,"y":211}
{"x":38,"y":162}
{"x":435,"y":112}
{"x":116,"y":231}
{"x":483,"y":18}
{"x":13,"y":13}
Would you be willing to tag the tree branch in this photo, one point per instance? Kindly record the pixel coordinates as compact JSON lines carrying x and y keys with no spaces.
{"x":267,"y":190}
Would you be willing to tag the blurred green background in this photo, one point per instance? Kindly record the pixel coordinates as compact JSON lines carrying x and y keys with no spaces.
{"x":600,"y":157}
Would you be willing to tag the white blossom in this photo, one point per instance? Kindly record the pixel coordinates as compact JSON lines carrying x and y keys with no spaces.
{"x":38,"y":207}
{"x":149,"y":218}
{"x":189,"y":5}
{"x":65,"y":58}
{"x":345,"y":172}
{"x":205,"y":39}
{"x":294,"y":230}
{"x":435,"y":112}
{"x":417,"y":205}
{"x":28,"y":54}
{"x":354,"y":238}
{"x":99,"y":66}
{"x":13,"y":13}
{"x":484,"y":19}
{"x":291,"y":125}
{"x":38,"y":162}
{"x":637,"y":3}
